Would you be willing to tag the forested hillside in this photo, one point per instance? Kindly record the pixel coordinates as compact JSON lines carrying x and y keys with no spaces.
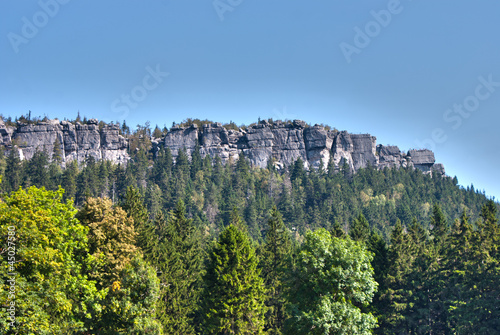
{"x":198,"y":246}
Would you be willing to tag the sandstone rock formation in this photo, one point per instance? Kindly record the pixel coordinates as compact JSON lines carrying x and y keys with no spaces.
{"x":280,"y":142}
{"x":77,"y":142}
{"x":283,"y":143}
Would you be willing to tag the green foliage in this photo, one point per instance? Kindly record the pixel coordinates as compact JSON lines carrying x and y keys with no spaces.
{"x":360,"y":229}
{"x":331,"y":279}
{"x":234,"y":294}
{"x":111,"y":238}
{"x":131,"y":304}
{"x":133,"y":205}
{"x":432,"y":279}
{"x":175,"y":250}
{"x":46,"y":248}
{"x":57,"y":154}
{"x":275,"y":254}
{"x":13,"y":171}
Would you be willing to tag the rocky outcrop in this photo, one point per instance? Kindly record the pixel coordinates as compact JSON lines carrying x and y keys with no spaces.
{"x":279,"y":143}
{"x":76,"y":142}
{"x":284,"y":143}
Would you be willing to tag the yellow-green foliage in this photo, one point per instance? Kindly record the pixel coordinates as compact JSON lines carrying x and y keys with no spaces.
{"x":50,"y":250}
{"x":111,"y":238}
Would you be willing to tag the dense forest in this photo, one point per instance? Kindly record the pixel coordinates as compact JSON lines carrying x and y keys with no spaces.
{"x":194,"y":246}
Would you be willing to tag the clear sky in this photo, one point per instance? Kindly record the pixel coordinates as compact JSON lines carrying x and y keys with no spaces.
{"x":412,"y":73}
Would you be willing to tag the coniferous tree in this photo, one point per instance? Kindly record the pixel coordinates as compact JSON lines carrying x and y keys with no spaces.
{"x":396,"y":296}
{"x":297,"y":170}
{"x":276,"y":250}
{"x":360,"y":229}
{"x":68,"y":179}
{"x":134,"y":206}
{"x":196,"y":161}
{"x":458,"y":271}
{"x":483,"y":310}
{"x":13,"y":170}
{"x":57,"y":154}
{"x":380,"y":262}
{"x":178,"y":257}
{"x":234,"y":294}
{"x":439,"y":226}
{"x":37,"y":169}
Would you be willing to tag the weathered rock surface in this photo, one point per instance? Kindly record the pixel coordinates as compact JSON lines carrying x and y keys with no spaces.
{"x":76,"y":142}
{"x":282,"y":143}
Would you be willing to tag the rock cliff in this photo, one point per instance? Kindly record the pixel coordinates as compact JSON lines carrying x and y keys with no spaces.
{"x":280,"y":142}
{"x":285,"y":142}
{"x":76,"y":142}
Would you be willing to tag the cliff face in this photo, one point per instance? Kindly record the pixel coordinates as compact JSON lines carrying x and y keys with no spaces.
{"x":76,"y":142}
{"x":284,"y":143}
{"x":280,"y":142}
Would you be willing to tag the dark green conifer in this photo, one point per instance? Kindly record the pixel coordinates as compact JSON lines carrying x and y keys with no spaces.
{"x":234,"y":295}
{"x":274,"y":261}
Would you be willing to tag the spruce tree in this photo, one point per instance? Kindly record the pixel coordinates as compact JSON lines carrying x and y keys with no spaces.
{"x":196,"y":161}
{"x":57,"y":154}
{"x":360,"y":229}
{"x":483,"y":309}
{"x":177,"y":254}
{"x":134,"y":206}
{"x":13,"y":170}
{"x":439,"y":226}
{"x":458,"y":270}
{"x":234,"y":294}
{"x":274,"y":260}
{"x":396,"y":296}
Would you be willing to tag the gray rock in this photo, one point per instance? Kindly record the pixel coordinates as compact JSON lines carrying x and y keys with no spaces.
{"x":282,"y":142}
{"x":389,"y":156}
{"x":77,"y":142}
{"x":421,"y":157}
{"x":181,"y":137}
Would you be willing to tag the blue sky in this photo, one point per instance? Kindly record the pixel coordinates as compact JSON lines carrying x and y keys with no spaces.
{"x":412,"y":73}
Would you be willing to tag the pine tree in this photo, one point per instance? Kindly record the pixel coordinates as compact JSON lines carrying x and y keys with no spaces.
{"x":274,"y":261}
{"x":234,"y":294}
